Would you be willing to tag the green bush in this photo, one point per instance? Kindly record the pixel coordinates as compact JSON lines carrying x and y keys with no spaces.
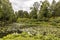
{"x":22,"y":20}
{"x":26,"y":20}
{"x":57,"y":20}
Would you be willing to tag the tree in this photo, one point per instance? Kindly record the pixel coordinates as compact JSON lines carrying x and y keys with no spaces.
{"x":33,"y":13}
{"x":57,"y":9}
{"x":1,"y":11}
{"x":53,"y":5}
{"x":26,"y":15}
{"x":20,"y":13}
{"x":44,"y":12}
{"x":6,"y":11}
{"x":36,"y":5}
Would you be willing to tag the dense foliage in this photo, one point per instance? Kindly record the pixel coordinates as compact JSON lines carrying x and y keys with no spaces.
{"x":26,"y":36}
{"x":6,"y":12}
{"x":43,"y":24}
{"x":46,"y":11}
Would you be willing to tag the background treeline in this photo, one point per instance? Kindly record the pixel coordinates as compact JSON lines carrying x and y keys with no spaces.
{"x":47,"y":10}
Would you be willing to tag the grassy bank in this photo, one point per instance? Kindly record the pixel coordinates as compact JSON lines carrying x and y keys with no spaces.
{"x":26,"y":36}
